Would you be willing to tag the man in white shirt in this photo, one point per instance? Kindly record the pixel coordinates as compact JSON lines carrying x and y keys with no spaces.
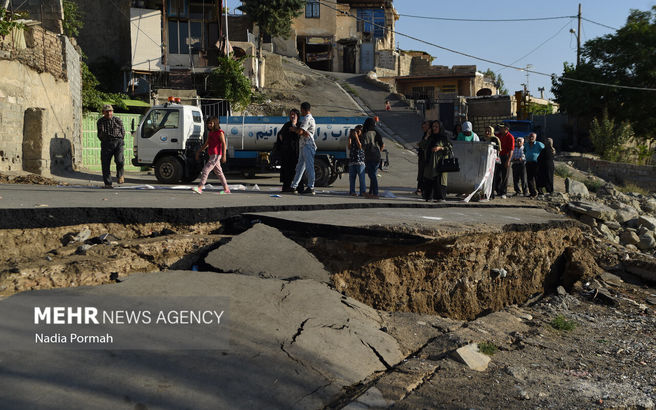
{"x":307,"y":149}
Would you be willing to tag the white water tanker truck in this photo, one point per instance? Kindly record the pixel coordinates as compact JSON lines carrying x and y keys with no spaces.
{"x":169,"y":135}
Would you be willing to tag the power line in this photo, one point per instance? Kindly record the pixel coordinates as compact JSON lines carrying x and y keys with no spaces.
{"x":135,"y":24}
{"x":553,"y":75}
{"x":536,"y":48}
{"x":599,"y":24}
{"x":487,"y":20}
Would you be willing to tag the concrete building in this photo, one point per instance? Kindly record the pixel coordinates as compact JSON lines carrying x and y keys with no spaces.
{"x":438,"y":82}
{"x":341,"y":35}
{"x":152,"y":43}
{"x":40,"y":94}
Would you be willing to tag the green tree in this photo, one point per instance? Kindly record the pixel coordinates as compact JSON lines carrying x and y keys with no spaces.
{"x":72,"y":19}
{"x":626,"y":57}
{"x":8,"y":21}
{"x":273,"y":17}
{"x":92,"y":98}
{"x":497,"y":81}
{"x":228,"y":81}
{"x":608,"y":137}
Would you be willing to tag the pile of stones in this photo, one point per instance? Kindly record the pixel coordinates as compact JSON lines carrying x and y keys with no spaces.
{"x":624,"y":219}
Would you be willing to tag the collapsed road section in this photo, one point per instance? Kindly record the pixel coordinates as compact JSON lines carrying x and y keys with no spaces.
{"x":325,"y":307}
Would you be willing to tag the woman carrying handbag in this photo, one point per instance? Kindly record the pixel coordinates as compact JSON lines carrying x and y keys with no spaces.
{"x":437,"y":148}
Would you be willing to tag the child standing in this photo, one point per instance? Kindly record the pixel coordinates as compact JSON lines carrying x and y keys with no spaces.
{"x":216,"y":149}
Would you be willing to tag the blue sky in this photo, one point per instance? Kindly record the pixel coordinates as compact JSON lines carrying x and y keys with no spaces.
{"x":508,"y":42}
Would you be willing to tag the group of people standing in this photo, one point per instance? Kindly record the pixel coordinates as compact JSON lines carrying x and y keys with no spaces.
{"x":532,"y":164}
{"x":297,"y":148}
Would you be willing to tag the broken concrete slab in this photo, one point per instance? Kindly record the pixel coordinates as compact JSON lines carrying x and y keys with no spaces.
{"x":472,"y":357}
{"x":593,"y":209}
{"x":264,"y":251}
{"x":291,"y":345}
{"x":371,"y":399}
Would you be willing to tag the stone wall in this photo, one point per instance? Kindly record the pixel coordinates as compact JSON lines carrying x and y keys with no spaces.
{"x":42,"y":51}
{"x":643,"y":176}
{"x":40,"y":104}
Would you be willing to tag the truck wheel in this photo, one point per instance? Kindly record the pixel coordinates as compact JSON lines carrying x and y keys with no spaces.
{"x":168,"y":170}
{"x":333,"y":177}
{"x":321,"y":172}
{"x":191,"y":177}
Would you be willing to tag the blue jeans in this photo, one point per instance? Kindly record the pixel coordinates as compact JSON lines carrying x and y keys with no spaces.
{"x":357,"y":170}
{"x":305,"y":163}
{"x":372,"y":168}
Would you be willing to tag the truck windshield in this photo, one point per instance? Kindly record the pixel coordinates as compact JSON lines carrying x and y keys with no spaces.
{"x":519,"y":126}
{"x":158,"y":119}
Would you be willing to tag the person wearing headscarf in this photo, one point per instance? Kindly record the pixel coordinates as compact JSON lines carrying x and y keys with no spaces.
{"x":425,"y":126}
{"x":371,"y":154}
{"x":546,"y":167}
{"x":287,"y":145}
{"x":437,"y":147}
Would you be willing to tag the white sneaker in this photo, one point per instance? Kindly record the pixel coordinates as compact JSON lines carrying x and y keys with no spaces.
{"x":197,"y":190}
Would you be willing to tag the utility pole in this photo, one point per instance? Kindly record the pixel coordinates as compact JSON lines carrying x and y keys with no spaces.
{"x":578,"y":39}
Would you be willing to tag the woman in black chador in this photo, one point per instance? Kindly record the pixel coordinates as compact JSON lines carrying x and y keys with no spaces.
{"x":287,"y":146}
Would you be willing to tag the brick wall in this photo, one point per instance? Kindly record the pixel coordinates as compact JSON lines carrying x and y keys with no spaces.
{"x":43,"y":51}
{"x":479,"y":124}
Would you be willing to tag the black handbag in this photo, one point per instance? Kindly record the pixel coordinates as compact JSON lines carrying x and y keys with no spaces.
{"x":448,"y":164}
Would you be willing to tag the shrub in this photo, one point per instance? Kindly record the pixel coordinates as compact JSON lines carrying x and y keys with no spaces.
{"x":593,"y":184}
{"x":631,"y":187}
{"x":487,"y":348}
{"x":561,"y":323}
{"x":608,"y":137}
{"x":563,"y":171}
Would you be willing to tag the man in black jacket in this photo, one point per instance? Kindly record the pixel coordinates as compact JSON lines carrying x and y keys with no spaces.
{"x":111,"y":134}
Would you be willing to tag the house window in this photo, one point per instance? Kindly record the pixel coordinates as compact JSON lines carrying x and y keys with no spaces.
{"x":178,"y":37}
{"x":312,"y":9}
{"x":372,"y":20}
{"x":423,"y":93}
{"x":177,"y":8}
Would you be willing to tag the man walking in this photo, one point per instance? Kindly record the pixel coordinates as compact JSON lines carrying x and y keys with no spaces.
{"x":306,"y":151}
{"x":507,"y":147}
{"x":111,"y":134}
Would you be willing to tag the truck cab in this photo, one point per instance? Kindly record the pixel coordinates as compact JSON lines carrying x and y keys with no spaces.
{"x":519,"y":128}
{"x":167,"y":139}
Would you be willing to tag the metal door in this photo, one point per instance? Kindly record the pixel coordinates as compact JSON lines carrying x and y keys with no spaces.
{"x":366,"y":57}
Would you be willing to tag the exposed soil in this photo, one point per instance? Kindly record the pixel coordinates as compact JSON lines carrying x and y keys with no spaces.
{"x":28,"y":179}
{"x":461,"y":276}
{"x":53,"y":257}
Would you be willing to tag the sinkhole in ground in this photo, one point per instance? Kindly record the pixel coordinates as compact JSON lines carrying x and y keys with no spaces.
{"x":458,"y":275}
{"x":461,"y":276}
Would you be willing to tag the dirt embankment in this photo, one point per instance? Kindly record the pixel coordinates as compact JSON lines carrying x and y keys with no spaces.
{"x":94,"y":254}
{"x":460,"y":277}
